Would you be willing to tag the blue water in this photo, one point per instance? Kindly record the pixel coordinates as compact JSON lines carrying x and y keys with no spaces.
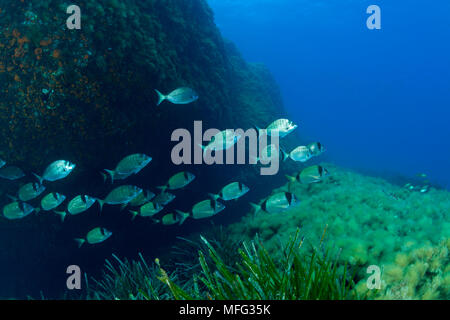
{"x":378,"y":99}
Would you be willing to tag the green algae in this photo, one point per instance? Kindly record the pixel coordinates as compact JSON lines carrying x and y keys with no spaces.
{"x":373,"y":222}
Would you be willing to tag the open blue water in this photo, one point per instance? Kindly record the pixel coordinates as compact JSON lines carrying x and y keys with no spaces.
{"x":378,"y":99}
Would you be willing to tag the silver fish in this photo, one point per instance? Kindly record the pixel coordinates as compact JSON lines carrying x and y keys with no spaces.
{"x":182,"y":95}
{"x":129,"y":165}
{"x":310,"y":175}
{"x":268,"y":153}
{"x":277,"y":203}
{"x":57,"y":170}
{"x":316,"y":148}
{"x":282,"y":126}
{"x":232,"y":191}
{"x":11,"y":173}
{"x":120,"y":195}
{"x":178,"y":181}
{"x":204,"y":209}
{"x":164,"y":198}
{"x":77,"y":205}
{"x":172,"y":218}
{"x":144,"y":197}
{"x":52,"y":201}
{"x":96,"y":235}
{"x":223,"y":140}
{"x":17,"y":210}
{"x":147,"y":210}
{"x":29,"y":191}
{"x":301,"y":154}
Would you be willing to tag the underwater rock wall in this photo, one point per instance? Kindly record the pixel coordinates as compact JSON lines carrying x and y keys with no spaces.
{"x":80,"y":93}
{"x":406,"y":233}
{"x":88,"y":96}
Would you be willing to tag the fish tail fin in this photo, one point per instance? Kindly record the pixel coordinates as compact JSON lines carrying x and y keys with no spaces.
{"x":111,"y":173}
{"x":100,"y":204}
{"x":162,"y":188}
{"x":284,"y":154}
{"x":161,"y":97}
{"x":62,"y":214}
{"x":134,"y":214}
{"x":80,"y":242}
{"x":183,"y":216}
{"x":12,"y":197}
{"x":104,"y":175}
{"x":40,"y":179}
{"x":291,"y":178}
{"x":214,"y":196}
{"x":256,"y":207}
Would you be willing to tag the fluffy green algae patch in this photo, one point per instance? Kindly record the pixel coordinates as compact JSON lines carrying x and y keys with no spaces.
{"x":373,"y":222}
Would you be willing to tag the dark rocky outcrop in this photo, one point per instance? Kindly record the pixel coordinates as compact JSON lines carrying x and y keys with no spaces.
{"x":88,"y":96}
{"x":81,"y":93}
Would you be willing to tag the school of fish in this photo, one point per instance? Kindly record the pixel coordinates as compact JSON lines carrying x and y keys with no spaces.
{"x":146,"y":204}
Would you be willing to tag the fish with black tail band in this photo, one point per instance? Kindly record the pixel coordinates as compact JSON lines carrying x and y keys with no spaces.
{"x":310,"y":175}
{"x":52,"y":201}
{"x":172,"y":219}
{"x":77,"y":205}
{"x":18,"y":210}
{"x":183,"y":95}
{"x":57,"y":170}
{"x":147,"y":210}
{"x":129,"y":165}
{"x":316,"y":148}
{"x":144,"y":197}
{"x":95,"y":236}
{"x":29,"y":191}
{"x":164,"y":198}
{"x":121,"y":195}
{"x":232,"y":191}
{"x":277,"y":203}
{"x":204,"y":209}
{"x":11,"y":173}
{"x":178,"y":181}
